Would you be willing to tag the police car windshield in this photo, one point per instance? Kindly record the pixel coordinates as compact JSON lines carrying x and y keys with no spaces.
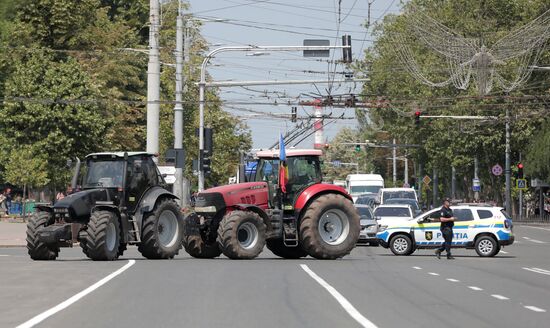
{"x":392,"y":211}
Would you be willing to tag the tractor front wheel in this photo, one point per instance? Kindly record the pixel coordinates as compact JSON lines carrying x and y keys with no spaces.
{"x":36,"y":248}
{"x":277,"y":247}
{"x":241,"y":235}
{"x":102,"y":236}
{"x":330,"y":227}
{"x":162,"y":231}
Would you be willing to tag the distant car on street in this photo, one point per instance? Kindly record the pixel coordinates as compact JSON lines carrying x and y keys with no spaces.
{"x":369,"y":226}
{"x":405,"y":201}
{"x":401,"y":193}
{"x":367,"y":199}
{"x":481,"y":227}
{"x":392,"y":214}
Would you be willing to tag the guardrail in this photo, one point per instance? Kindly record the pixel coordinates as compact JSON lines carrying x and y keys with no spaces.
{"x":544,"y":218}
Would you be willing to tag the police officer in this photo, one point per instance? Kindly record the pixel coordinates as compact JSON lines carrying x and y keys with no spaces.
{"x":447,"y":222}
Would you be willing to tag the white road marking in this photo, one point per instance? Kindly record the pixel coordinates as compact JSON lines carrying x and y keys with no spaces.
{"x":1,"y":255}
{"x":504,"y":252}
{"x":500,"y":297}
{"x":453,"y":280}
{"x":538,"y":270}
{"x":526,"y":238}
{"x":63,"y":305}
{"x":534,"y":240}
{"x":433,"y":273}
{"x":417,"y":268}
{"x":534,"y":308}
{"x":539,"y":228}
{"x":475,"y":288}
{"x":350,"y":309}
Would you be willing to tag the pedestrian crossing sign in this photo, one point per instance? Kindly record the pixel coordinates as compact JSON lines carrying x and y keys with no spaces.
{"x":521,"y":184}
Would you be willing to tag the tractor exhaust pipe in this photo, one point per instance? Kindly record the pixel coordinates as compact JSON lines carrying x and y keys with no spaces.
{"x":74,"y":181}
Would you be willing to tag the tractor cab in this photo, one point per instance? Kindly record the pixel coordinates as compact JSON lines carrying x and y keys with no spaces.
{"x":303,"y":167}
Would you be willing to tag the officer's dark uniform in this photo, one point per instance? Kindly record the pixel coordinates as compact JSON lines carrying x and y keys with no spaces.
{"x":447,"y":231}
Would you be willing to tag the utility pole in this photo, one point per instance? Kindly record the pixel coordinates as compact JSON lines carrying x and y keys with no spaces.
{"x":186,"y":186}
{"x":406,"y":170}
{"x":394,"y":160}
{"x":435,"y":187}
{"x":520,"y":196}
{"x":453,"y":182}
{"x":178,"y":107}
{"x":507,"y":169}
{"x":153,"y":80}
{"x":476,"y":172}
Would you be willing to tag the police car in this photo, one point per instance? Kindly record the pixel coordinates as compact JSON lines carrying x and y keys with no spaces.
{"x":481,"y":227}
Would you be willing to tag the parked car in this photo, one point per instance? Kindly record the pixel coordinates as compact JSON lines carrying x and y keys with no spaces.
{"x":481,"y":227}
{"x":392,"y":214}
{"x":388,"y":193}
{"x":369,"y":226}
{"x":405,"y":201}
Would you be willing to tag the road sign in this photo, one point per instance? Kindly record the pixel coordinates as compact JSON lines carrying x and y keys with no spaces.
{"x":497,"y":169}
{"x":476,"y":185}
{"x":426,"y":180}
{"x":521,"y":184}
{"x":336,"y":163}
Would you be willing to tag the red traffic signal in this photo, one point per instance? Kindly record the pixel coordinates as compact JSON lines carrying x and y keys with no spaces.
{"x":520,"y":166}
{"x":520,"y":170}
{"x":417,"y":117}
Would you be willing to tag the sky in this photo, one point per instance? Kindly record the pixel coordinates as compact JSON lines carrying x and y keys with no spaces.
{"x":284,"y":23}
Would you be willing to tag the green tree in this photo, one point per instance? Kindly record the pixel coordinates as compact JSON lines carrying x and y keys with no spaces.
{"x":57,"y":130}
{"x":25,"y":168}
{"x":538,"y":155}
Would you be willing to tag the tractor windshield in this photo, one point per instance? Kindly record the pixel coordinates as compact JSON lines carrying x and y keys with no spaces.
{"x":103,"y":173}
{"x":302,"y":171}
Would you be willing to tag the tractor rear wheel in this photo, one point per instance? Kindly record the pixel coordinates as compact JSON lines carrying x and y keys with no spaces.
{"x":102,"y":236}
{"x":241,"y":235}
{"x":162,"y":233}
{"x":37,"y":249}
{"x":330,"y":227}
{"x":277,"y":247}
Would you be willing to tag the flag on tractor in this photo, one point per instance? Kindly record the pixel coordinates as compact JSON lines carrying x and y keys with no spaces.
{"x":283,"y":169}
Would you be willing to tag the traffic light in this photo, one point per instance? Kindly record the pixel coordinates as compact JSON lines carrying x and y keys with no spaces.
{"x":357,"y":148}
{"x":294,"y":112}
{"x":346,"y":52}
{"x":205,"y":164}
{"x":520,"y":171}
{"x":417,"y":115}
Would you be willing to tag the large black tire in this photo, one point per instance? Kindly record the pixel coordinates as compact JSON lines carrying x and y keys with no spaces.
{"x":401,"y":244}
{"x":241,"y":235}
{"x":330,"y":227}
{"x":277,"y":247}
{"x":162,"y":231}
{"x":102,"y":236}
{"x":487,"y":246}
{"x":38,"y":250}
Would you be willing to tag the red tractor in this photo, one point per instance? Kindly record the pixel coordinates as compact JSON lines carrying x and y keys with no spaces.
{"x":310,"y":218}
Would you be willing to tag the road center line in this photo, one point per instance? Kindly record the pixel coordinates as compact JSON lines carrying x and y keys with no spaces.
{"x":538,"y":270}
{"x":500,"y":297}
{"x":433,"y":273}
{"x":417,"y":268}
{"x":453,"y":280}
{"x":475,"y":288}
{"x":350,"y":309}
{"x":534,"y":308}
{"x":539,"y":228}
{"x":63,"y":305}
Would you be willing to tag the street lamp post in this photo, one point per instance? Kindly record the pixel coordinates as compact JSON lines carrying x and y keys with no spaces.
{"x":202,"y":84}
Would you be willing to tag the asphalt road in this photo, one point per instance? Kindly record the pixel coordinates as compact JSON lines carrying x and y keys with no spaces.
{"x":369,"y":287}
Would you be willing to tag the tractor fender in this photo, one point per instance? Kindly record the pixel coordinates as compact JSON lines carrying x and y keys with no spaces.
{"x":255,"y":209}
{"x":148,"y":201}
{"x":314,"y":191}
{"x":123,"y":218}
{"x":44,"y":207}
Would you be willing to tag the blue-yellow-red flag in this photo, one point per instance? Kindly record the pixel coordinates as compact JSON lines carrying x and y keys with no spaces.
{"x":283,"y":169}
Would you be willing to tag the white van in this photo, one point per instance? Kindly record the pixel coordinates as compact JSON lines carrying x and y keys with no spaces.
{"x":358,"y":184}
{"x":401,"y":193}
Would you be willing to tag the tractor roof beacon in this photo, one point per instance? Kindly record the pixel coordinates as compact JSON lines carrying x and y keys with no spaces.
{"x":119,"y":199}
{"x":310,"y":218}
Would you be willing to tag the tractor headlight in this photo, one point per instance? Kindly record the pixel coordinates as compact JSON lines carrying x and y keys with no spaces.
{"x":61,"y":210}
{"x":206,"y":209}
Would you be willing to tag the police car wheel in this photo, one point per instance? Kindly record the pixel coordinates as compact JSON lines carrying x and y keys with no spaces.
{"x":486,"y":246}
{"x":401,"y":245}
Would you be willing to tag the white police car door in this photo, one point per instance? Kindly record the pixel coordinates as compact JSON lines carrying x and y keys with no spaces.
{"x":427,"y":233}
{"x":464,"y":226}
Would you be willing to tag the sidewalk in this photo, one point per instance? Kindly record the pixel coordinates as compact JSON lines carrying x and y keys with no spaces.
{"x":12,"y":234}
